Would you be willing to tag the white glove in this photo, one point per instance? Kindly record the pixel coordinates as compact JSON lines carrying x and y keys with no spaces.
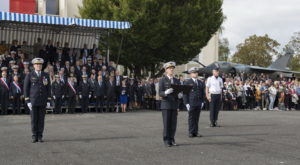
{"x":29,"y":105}
{"x":80,"y":96}
{"x":89,"y":96}
{"x":48,"y":105}
{"x":169,"y":91}
{"x":202,"y":105}
{"x":54,"y":97}
{"x":188,"y":107}
{"x":63,"y":96}
{"x":180,"y":95}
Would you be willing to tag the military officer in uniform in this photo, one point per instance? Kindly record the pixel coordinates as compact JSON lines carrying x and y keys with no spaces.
{"x":169,"y":104}
{"x":85,"y":93}
{"x":4,"y":91}
{"x":194,"y":101}
{"x":214,"y":86}
{"x":37,"y":92}
{"x":58,"y":94}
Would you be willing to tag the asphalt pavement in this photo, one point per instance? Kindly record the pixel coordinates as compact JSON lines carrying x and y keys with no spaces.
{"x":135,"y":138}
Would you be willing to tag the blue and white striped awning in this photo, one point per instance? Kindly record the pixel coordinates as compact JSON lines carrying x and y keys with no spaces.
{"x":54,"y":20}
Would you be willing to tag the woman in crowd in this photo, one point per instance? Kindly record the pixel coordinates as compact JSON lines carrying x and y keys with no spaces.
{"x":124,"y":96}
{"x":272,"y":96}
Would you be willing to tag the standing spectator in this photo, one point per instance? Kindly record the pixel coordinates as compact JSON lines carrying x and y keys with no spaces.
{"x":3,"y":47}
{"x":14,"y":46}
{"x":272,"y":96}
{"x":4,"y":91}
{"x":264,"y":96}
{"x":36,"y":48}
{"x":58,"y":94}
{"x":111,"y":94}
{"x":84,"y":93}
{"x":257,"y":96}
{"x":124,"y":96}
{"x":140,"y":91}
{"x":65,"y":54}
{"x":71,"y":92}
{"x":15,"y":93}
{"x":84,"y":53}
{"x":100,"y":93}
{"x":26,"y":50}
{"x":50,"y":51}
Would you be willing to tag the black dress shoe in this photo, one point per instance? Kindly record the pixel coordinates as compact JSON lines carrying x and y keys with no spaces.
{"x":34,"y":140}
{"x":212,"y":125}
{"x":41,"y":140}
{"x":191,"y":135}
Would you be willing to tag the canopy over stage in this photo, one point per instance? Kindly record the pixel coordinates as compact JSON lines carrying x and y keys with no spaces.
{"x":75,"y":31}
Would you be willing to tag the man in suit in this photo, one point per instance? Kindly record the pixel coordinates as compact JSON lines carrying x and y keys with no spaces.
{"x":85,"y":93}
{"x":194,"y":101}
{"x":15,"y":93}
{"x":111,"y":94}
{"x":58,"y":94}
{"x":4,"y":91}
{"x":65,"y":54}
{"x":84,"y":53}
{"x":71,"y":92}
{"x":100,"y":93}
{"x":118,"y":80}
{"x":169,"y":104}
{"x":37,"y":92}
{"x":51,"y":51}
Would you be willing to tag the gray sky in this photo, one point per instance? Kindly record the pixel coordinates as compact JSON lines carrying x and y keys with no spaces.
{"x":277,"y":18}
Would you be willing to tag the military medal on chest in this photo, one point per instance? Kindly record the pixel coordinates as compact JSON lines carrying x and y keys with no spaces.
{"x":45,"y":81}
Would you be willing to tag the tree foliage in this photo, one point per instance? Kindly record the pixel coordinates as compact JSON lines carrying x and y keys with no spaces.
{"x":224,"y":50}
{"x":162,"y":30}
{"x":256,"y":50}
{"x":294,"y":44}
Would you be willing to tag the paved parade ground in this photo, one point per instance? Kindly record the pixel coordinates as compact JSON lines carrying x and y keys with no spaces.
{"x":245,"y":138}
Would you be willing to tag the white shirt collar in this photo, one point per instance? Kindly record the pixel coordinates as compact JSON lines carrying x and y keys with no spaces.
{"x":169,"y":77}
{"x":38,"y":73}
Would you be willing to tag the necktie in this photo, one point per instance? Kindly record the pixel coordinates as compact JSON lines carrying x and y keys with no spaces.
{"x":196,"y":82}
{"x":171,"y":80}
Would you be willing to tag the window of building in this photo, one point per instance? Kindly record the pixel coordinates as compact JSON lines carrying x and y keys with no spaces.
{"x":52,"y":7}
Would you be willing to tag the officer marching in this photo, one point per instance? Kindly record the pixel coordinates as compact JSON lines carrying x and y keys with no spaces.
{"x":194,"y":101}
{"x":37,"y":92}
{"x":169,"y":104}
{"x":214,"y":87}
